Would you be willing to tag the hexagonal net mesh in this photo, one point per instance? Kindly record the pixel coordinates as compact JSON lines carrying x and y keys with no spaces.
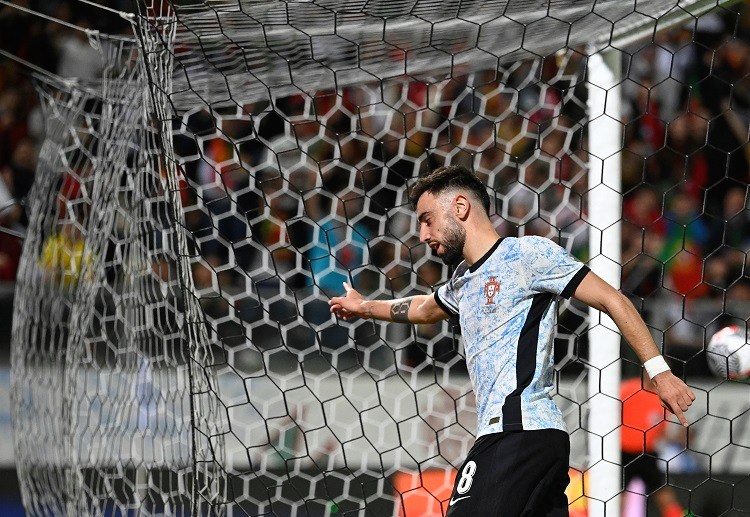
{"x":196,"y":208}
{"x":101,"y":348}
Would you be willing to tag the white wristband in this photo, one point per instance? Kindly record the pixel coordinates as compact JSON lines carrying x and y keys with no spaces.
{"x":655,"y":366}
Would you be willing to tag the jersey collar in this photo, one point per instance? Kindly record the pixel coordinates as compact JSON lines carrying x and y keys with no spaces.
{"x":487,"y":255}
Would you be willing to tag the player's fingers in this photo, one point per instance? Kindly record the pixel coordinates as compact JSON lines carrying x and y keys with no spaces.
{"x":681,"y":417}
{"x":342,"y":314}
{"x":677,"y":410}
{"x":674,"y":409}
{"x":347,"y":287}
{"x":674,"y":403}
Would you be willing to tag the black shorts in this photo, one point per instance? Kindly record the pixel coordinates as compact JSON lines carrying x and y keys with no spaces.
{"x":645,"y":467}
{"x":514,"y":473}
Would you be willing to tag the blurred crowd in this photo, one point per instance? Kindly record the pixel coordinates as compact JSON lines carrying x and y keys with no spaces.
{"x":686,"y":224}
{"x":46,"y":45}
{"x":310,"y":212}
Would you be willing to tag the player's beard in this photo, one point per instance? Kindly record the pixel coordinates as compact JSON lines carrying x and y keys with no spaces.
{"x":453,"y":242}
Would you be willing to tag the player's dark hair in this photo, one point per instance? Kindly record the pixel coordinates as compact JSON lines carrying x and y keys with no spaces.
{"x":448,"y":178}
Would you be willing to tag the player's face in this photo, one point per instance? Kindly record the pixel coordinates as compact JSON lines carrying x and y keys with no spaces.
{"x":440,"y":230}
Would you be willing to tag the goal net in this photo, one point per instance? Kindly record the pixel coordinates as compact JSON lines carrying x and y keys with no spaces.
{"x":195,"y":208}
{"x":102,"y":373}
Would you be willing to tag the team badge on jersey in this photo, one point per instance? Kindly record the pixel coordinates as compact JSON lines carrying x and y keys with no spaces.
{"x":491,"y":289}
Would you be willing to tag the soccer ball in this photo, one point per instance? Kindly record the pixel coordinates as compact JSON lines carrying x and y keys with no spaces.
{"x":728,"y":353}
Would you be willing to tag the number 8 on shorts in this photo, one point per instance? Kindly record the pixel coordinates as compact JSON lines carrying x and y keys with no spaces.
{"x":467,"y":477}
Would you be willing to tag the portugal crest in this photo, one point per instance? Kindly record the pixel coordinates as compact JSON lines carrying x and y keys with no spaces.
{"x":491,"y":289}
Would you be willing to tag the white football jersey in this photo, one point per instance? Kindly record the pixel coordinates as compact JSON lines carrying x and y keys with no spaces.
{"x":506,"y":306}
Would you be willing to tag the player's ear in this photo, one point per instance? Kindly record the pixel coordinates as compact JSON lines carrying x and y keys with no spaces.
{"x":461,"y":206}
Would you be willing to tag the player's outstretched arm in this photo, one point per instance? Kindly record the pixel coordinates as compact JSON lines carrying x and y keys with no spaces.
{"x":414,"y":309}
{"x":675,"y":395}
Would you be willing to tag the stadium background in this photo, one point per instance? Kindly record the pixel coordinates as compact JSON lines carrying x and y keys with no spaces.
{"x":706,"y":63}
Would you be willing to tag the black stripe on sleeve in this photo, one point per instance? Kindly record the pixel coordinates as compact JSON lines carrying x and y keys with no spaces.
{"x":525,"y":361}
{"x":575,"y":282}
{"x":444,"y":305}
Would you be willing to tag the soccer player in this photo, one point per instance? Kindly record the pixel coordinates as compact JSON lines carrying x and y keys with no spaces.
{"x":503,"y":291}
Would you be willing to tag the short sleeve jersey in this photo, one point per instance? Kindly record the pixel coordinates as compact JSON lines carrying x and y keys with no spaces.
{"x":505,"y":304}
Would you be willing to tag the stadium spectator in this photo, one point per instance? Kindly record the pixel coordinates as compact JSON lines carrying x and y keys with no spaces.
{"x":13,"y":124}
{"x":643,"y":232}
{"x":64,"y":256}
{"x":18,"y":174}
{"x":685,"y":240}
{"x":10,"y":246}
{"x":643,"y":426}
{"x":737,"y":217}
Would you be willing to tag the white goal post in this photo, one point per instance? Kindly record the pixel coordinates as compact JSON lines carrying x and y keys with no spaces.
{"x":605,"y":211}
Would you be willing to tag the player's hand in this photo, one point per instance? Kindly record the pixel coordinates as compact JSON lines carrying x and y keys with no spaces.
{"x":349,"y":306}
{"x":675,"y":395}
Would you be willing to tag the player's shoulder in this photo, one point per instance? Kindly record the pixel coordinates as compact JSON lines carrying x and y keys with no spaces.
{"x":536,"y":245}
{"x":535,"y":241}
{"x":526,"y":245}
